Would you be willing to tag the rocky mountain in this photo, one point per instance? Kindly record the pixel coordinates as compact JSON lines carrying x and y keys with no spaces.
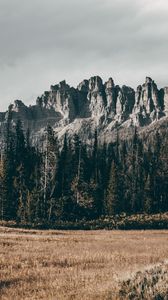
{"x":93,"y":104}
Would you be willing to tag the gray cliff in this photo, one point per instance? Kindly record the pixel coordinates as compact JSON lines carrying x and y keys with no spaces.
{"x":93,"y":104}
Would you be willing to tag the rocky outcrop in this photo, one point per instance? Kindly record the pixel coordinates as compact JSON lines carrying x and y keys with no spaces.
{"x":148,"y":103}
{"x":165,"y":92}
{"x":92,"y":104}
{"x":105,"y":102}
{"x":62,"y":99}
{"x":33,"y":117}
{"x":96,"y":98}
{"x":111,"y":95}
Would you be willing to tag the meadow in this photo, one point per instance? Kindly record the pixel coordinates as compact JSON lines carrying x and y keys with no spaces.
{"x":102,"y":264}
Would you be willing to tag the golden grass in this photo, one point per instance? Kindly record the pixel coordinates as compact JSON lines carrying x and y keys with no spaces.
{"x":150,"y":284}
{"x":75,"y":264}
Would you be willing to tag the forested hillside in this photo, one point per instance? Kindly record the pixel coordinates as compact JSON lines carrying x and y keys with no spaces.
{"x":72,"y":181}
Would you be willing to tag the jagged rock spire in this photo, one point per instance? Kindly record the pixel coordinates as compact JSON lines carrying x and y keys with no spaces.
{"x":93,"y":103}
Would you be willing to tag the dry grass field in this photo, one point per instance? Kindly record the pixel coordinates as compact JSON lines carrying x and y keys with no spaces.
{"x":83,"y":264}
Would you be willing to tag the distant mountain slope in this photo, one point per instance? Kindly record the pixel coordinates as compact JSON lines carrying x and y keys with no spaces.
{"x":93,"y":104}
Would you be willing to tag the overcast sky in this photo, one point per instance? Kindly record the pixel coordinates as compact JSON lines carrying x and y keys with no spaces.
{"x":45,"y":41}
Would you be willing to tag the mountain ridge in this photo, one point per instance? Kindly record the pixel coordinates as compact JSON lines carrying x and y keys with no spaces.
{"x":93,"y":104}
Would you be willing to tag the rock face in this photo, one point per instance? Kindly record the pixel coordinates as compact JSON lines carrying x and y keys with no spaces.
{"x":148,"y":102}
{"x":92,"y":104}
{"x":165,"y":105}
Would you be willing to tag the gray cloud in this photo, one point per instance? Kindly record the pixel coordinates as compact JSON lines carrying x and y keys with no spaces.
{"x":45,"y":41}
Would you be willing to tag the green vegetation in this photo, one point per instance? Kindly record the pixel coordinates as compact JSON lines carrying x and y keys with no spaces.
{"x":71,"y":183}
{"x":122,"y":222}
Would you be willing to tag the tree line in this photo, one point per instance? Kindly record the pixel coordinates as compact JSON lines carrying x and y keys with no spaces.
{"x":72,"y":180}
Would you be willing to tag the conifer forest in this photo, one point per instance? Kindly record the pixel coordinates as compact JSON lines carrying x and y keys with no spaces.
{"x":72,"y":180}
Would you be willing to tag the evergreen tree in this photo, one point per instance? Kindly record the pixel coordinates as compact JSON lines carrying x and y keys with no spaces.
{"x":76,"y":181}
{"x":2,"y":200}
{"x":112,"y":199}
{"x":76,"y":161}
{"x":9,"y":205}
{"x":95,"y":184}
{"x":48,"y":173}
{"x":148,"y":194}
{"x":140,"y":177}
{"x":134,"y":183}
{"x":124,"y":182}
{"x":20,"y":183}
{"x":65,"y":178}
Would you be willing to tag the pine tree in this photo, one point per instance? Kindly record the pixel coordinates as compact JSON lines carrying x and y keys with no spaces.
{"x":95,"y":184}
{"x":140,"y":176}
{"x":95,"y":157}
{"x":9,"y":205}
{"x":148,"y":194}
{"x":134,"y":182}
{"x":157,"y":166}
{"x":65,"y":177}
{"x":2,"y":202}
{"x":112,"y":199}
{"x":20,"y":150}
{"x":103,"y":177}
{"x":124,"y":182}
{"x":20,"y":183}
{"x":163,"y":158}
{"x":77,"y":168}
{"x":48,"y":178}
